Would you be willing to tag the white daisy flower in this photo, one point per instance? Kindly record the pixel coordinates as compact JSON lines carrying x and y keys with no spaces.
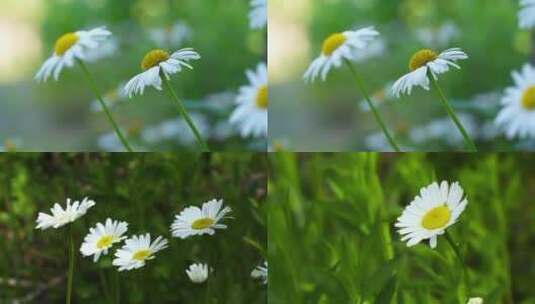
{"x":431,"y":213}
{"x":380,"y":97}
{"x":258,"y":14}
{"x":107,"y":49}
{"x":68,"y":48}
{"x":196,"y":221}
{"x":137,"y":250}
{"x":110,"y":98}
{"x":438,"y":36}
{"x":336,"y":48}
{"x":376,"y":48}
{"x":441,"y":130}
{"x":261,"y":272}
{"x":425,"y":63}
{"x":61,"y":217}
{"x":158,"y":63}
{"x":176,"y":129}
{"x":171,"y":36}
{"x":517,"y":115}
{"x":110,"y":142}
{"x":251,"y":114}
{"x":102,"y":237}
{"x":475,"y":301}
{"x":526,"y":15}
{"x":197,"y":273}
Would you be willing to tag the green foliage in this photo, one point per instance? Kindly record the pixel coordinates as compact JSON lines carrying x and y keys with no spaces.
{"x":146,"y":190}
{"x":332,"y":240}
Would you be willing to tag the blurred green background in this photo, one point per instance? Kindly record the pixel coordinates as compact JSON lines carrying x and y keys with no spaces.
{"x":146,"y":190}
{"x":331,"y":115}
{"x":331,"y":236}
{"x":58,"y":116}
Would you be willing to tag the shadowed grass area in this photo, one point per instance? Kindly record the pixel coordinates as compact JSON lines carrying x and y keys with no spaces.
{"x":145,"y":190}
{"x":332,"y":240}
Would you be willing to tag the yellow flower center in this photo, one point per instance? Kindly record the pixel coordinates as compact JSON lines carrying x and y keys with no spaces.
{"x":332,"y":43}
{"x":262,"y":97}
{"x":528,"y":98}
{"x":104,"y":241}
{"x":420,"y":58}
{"x":65,"y":42}
{"x":153,"y":58}
{"x":436,"y":218}
{"x":141,"y":255}
{"x":202,"y":223}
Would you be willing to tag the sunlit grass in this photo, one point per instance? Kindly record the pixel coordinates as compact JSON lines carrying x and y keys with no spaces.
{"x":332,"y":240}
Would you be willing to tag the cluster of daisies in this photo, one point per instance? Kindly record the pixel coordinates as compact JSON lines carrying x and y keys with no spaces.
{"x":249,"y":116}
{"x":347,"y":45}
{"x":425,"y":66}
{"x":136,"y":250}
{"x":516,"y":118}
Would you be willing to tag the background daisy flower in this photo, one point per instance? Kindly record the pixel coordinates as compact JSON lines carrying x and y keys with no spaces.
{"x":106,"y":49}
{"x":258,"y":14}
{"x":477,"y":300}
{"x":423,"y":63}
{"x":158,"y":63}
{"x":517,"y":115}
{"x":196,"y":221}
{"x":137,"y":250}
{"x":526,"y":15}
{"x":61,"y":217}
{"x":171,"y":36}
{"x":176,"y":129}
{"x":335,"y":48}
{"x":102,"y":237}
{"x":261,"y":272}
{"x":197,"y":273}
{"x":111,"y":99}
{"x":68,"y":48}
{"x":438,"y":36}
{"x":431,"y":213}
{"x":251,"y":114}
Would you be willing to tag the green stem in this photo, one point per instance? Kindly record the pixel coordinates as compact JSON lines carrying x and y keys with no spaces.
{"x":385,"y":234}
{"x":92,"y":84}
{"x":360,"y":85}
{"x":467,"y":140}
{"x":207,"y":295}
{"x":459,"y":257}
{"x":104,"y":283}
{"x":117,"y":288}
{"x":455,"y":248}
{"x":208,"y":290}
{"x":71,"y":267}
{"x":184,"y":113}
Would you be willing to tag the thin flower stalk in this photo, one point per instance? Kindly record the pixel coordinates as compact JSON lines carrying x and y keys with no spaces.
{"x":93,"y":87}
{"x":378,"y":118}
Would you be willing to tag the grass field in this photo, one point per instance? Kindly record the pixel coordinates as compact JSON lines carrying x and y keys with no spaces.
{"x":330,"y":223}
{"x":147,"y":191}
{"x":332,"y":240}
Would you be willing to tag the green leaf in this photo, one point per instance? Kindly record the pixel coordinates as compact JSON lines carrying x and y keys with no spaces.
{"x":387,"y":292}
